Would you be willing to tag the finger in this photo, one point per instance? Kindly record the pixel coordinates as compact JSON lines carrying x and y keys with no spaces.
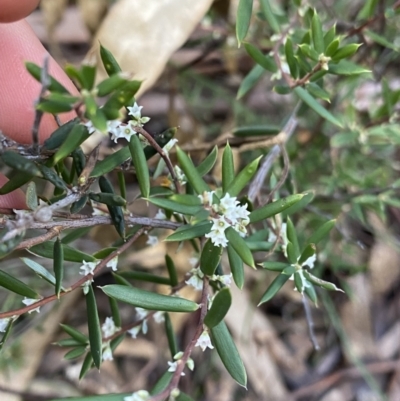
{"x":19,"y":90}
{"x":13,"y":200}
{"x":12,"y":10}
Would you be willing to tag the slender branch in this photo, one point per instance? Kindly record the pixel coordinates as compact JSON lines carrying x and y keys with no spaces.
{"x":45,"y":81}
{"x":163,"y":155}
{"x":53,"y":232}
{"x":258,"y":180}
{"x":79,"y":283}
{"x":310,"y":323}
{"x":181,"y":363}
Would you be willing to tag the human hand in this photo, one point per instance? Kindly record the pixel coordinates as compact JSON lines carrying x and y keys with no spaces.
{"x":18,"y":90}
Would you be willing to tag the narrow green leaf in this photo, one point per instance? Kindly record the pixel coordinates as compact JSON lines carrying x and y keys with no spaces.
{"x":109,"y":85}
{"x":332,"y":48}
{"x":173,"y":345}
{"x":116,"y":212}
{"x":110,"y":162}
{"x":274,"y":208}
{"x":321,"y":232}
{"x":75,"y":353}
{"x":95,"y":338}
{"x":275,"y":286}
{"x":53,"y":107}
{"x":368,"y":10}
{"x":308,"y":252}
{"x":240,"y":246}
{"x":149,"y":300}
{"x":115,"y":312}
{"x":219,"y":308}
{"x":20,"y":163}
{"x":75,"y":334}
{"x":210,"y":258}
{"x":17,"y":286}
{"x":292,"y":237}
{"x":275,"y":266}
{"x":290,"y":59}
{"x":88,"y":75}
{"x":316,"y":33}
{"x":77,"y":206}
{"x":19,"y":179}
{"x":243,"y":178}
{"x":345,"y":51}
{"x":311,"y":293}
{"x":173,"y":275}
{"x":140,"y":163}
{"x":236,"y":265}
{"x":36,"y":72}
{"x":186,"y":199}
{"x":228,"y":169}
{"x":256,"y":130}
{"x":86,"y":366}
{"x":208,"y":163}
{"x":381,"y":40}
{"x":317,"y":91}
{"x":51,"y":176}
{"x":188,"y":231}
{"x":45,"y":250}
{"x":58,"y":265}
{"x":121,"y":97}
{"x":76,"y":136}
{"x":243,"y":17}
{"x":250,"y":80}
{"x":270,"y":16}
{"x":192,"y":175}
{"x":175,"y":206}
{"x":291,"y":253}
{"x":311,"y":101}
{"x":266,"y":62}
{"x":329,"y":37}
{"x":108,"y":199}
{"x":303,"y":202}
{"x":40,"y":270}
{"x":7,"y":333}
{"x":345,"y":67}
{"x":95,"y":114}
{"x":321,"y":283}
{"x":162,"y":383}
{"x":228,"y":353}
{"x":110,"y":64}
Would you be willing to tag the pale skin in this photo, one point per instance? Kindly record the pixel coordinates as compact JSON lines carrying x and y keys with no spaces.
{"x":18,"y":90}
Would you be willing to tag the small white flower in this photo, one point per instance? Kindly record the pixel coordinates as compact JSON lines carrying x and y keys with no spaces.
{"x":135,"y":331}
{"x":160,"y":215}
{"x":206,"y":198}
{"x":141,"y":395}
{"x":228,"y":203}
{"x":90,"y":127}
{"x":87,"y":268}
{"x":4,"y":324}
{"x":173,"y":366}
{"x":196,"y":280}
{"x":109,"y":327}
{"x":107,"y":352}
{"x":152,"y":240}
{"x":159,"y":317}
{"x":123,"y":131}
{"x":135,"y":111}
{"x":225,"y":279}
{"x":30,"y":301}
{"x":204,"y":341}
{"x":113,"y":263}
{"x":217,"y":238}
{"x":180,"y":175}
{"x":141,"y":315}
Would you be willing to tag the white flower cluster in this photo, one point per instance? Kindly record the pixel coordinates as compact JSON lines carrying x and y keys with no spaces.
{"x":231,"y":214}
{"x":4,"y":324}
{"x":89,"y":267}
{"x":109,"y":328}
{"x":142,"y":315}
{"x":107,"y":352}
{"x":119,"y":130}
